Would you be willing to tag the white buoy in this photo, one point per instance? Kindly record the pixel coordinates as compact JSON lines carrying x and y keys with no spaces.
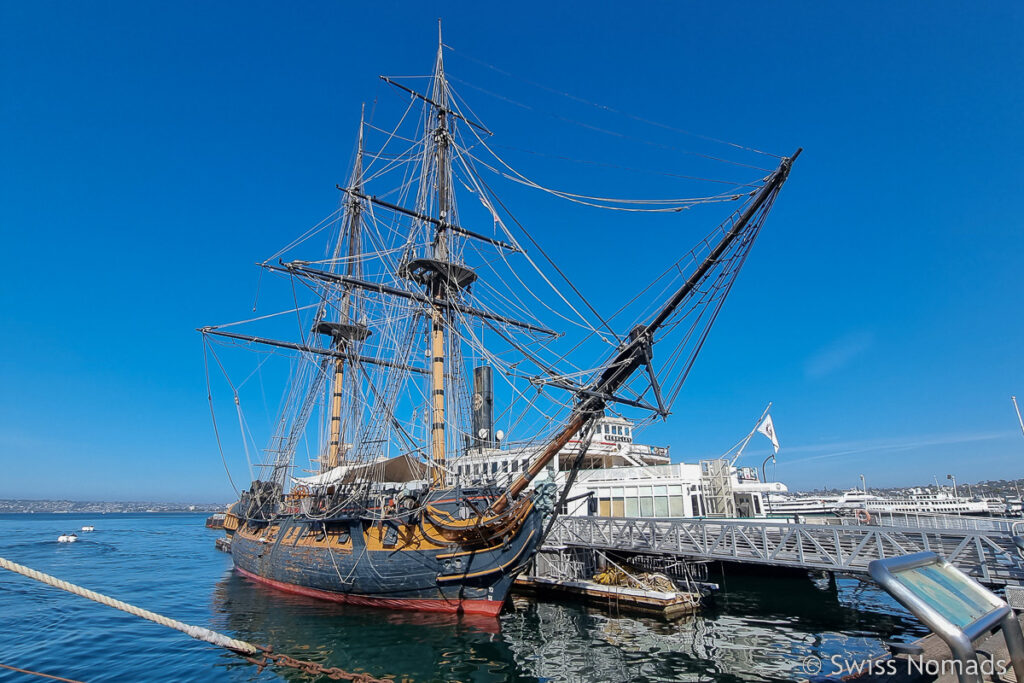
{"x":88,"y":527}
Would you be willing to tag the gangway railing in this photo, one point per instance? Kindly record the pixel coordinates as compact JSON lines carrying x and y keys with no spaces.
{"x":989,"y":556}
{"x":938,"y":521}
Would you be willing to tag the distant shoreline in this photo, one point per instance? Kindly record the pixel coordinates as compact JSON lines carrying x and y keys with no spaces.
{"x":28,"y":507}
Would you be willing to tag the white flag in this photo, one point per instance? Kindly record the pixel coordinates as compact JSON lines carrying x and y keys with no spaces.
{"x":767,"y":427}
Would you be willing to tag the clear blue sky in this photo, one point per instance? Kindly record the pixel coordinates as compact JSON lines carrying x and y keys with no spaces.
{"x":152,"y":152}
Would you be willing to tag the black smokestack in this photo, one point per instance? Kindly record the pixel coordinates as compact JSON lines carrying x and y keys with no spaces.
{"x":483,"y":407}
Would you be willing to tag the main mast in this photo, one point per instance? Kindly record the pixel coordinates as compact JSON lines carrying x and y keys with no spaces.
{"x":440,"y":253}
{"x":438,"y":273}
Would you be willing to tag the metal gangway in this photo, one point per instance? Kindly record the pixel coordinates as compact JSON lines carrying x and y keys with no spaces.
{"x":988,"y":554}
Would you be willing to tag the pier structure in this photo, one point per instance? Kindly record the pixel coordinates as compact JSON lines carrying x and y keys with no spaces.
{"x":987,"y":552}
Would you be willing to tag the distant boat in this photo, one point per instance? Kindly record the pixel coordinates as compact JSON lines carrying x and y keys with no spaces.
{"x":88,"y":527}
{"x":67,"y":538}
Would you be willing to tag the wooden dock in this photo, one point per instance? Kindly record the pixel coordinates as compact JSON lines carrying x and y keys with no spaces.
{"x":668,"y":605}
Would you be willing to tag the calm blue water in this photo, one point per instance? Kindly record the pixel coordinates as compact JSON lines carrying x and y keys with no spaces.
{"x":758,"y":629}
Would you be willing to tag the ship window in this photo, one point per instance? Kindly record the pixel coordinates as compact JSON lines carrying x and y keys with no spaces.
{"x":494,"y":468}
{"x":694,"y":506}
{"x":675,"y":506}
{"x":675,"y":490}
{"x":632,"y":507}
{"x":645,"y":490}
{"x":646,"y":507}
{"x":604,"y":507}
{"x":660,"y":491}
{"x":617,"y":493}
{"x":757,"y":505}
{"x":627,"y":431}
{"x":618,"y":508}
{"x":631,"y":491}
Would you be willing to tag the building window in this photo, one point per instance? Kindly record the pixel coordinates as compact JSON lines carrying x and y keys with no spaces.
{"x":646,"y":507}
{"x":661,"y":506}
{"x":675,"y":506}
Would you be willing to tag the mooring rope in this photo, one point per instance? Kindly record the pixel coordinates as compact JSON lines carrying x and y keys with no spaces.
{"x":36,"y":673}
{"x":260,"y":656}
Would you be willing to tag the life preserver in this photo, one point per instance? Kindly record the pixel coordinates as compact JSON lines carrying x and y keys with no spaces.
{"x":862,"y":515}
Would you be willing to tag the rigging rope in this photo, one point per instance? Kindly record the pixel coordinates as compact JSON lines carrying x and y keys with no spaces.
{"x":606,"y":107}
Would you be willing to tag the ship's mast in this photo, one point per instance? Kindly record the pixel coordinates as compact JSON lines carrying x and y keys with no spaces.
{"x":348,"y":328}
{"x":440,"y":254}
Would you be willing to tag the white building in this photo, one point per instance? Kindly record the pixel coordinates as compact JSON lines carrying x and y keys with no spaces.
{"x":619,"y":478}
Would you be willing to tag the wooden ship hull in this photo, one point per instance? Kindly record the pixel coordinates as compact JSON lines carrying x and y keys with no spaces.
{"x":424,"y":563}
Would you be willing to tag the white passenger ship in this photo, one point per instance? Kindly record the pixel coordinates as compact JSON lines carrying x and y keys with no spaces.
{"x":917,"y":501}
{"x":620,"y":478}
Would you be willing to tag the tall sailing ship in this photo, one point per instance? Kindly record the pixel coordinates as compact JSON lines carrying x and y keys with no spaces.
{"x":416,"y":319}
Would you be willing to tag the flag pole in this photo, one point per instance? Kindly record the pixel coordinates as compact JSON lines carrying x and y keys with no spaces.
{"x":750,"y":435}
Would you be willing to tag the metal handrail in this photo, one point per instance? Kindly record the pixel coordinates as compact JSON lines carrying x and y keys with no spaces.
{"x":991,"y":557}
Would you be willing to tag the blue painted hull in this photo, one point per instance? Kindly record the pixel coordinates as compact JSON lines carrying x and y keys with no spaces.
{"x":292,"y":554}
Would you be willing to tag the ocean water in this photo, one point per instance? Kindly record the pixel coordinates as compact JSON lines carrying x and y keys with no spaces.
{"x":758,"y":628}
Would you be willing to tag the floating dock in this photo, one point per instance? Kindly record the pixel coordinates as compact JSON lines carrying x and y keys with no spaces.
{"x":668,"y":605}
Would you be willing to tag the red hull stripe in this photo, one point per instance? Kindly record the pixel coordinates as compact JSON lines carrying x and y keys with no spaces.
{"x":489,"y":608}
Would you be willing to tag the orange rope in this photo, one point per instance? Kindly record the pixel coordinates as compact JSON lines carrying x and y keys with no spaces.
{"x":36,"y":673}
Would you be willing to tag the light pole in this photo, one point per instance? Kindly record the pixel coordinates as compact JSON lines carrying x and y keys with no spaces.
{"x":950,"y":476}
{"x":764,"y":480}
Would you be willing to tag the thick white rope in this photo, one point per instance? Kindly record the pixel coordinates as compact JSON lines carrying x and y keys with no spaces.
{"x":197,"y":632}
